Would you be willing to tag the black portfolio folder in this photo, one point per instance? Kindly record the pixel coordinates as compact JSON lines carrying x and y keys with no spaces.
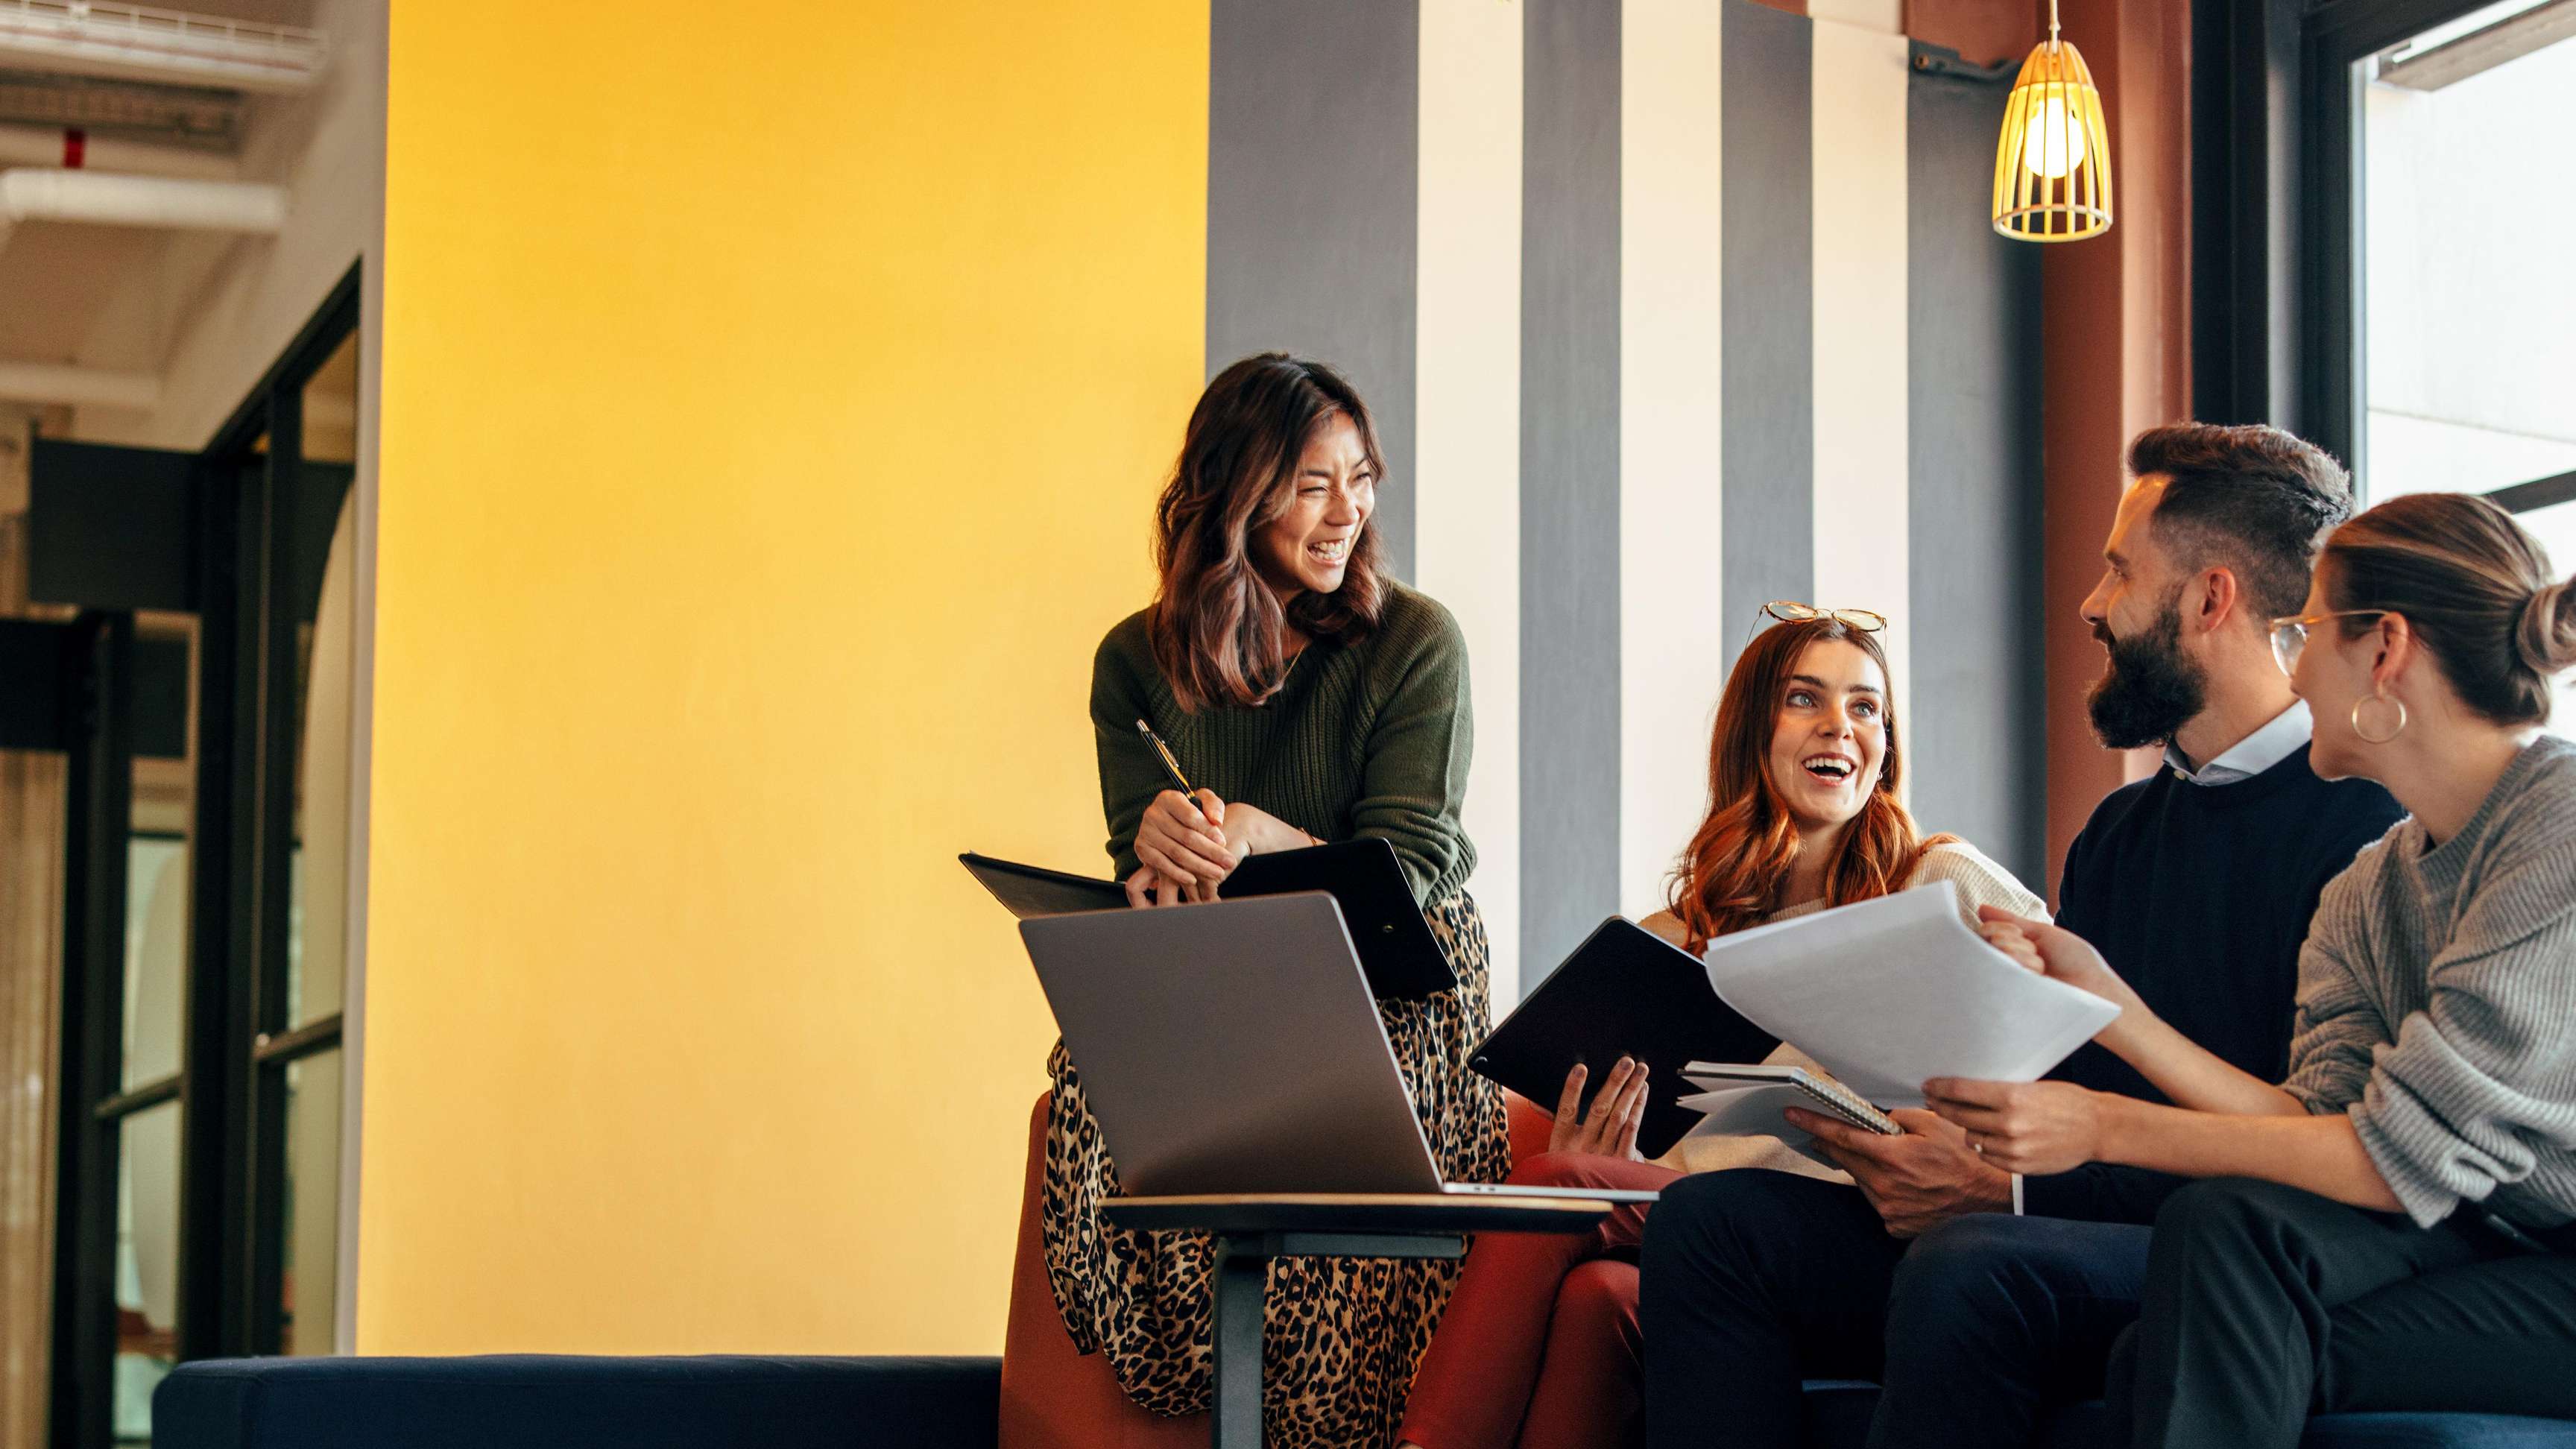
{"x":1395,"y":944}
{"x":1624,"y":992}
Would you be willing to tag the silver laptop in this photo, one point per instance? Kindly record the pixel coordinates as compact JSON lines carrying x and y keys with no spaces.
{"x":1232,"y":1048}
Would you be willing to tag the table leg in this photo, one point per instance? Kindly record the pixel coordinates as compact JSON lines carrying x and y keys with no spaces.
{"x":1242,"y":1284}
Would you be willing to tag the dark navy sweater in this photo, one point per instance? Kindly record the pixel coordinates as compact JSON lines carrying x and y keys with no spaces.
{"x":2199,"y":895}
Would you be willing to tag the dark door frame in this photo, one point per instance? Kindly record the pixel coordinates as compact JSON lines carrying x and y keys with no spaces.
{"x":90,"y":1113}
{"x":232,"y":1159}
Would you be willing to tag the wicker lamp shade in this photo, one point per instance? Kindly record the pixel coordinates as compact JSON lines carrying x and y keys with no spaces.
{"x":2053,"y":163}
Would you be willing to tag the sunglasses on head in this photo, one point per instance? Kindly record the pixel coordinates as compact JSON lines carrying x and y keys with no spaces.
{"x":1787,"y":611}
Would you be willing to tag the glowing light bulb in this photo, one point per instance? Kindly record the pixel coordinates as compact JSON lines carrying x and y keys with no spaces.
{"x":2054,"y":144}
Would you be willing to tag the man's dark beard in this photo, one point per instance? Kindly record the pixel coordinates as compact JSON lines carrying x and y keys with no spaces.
{"x":2151,"y":688}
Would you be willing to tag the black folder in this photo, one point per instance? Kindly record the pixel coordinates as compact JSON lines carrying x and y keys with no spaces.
{"x":1395,"y":944}
{"x":1624,"y":992}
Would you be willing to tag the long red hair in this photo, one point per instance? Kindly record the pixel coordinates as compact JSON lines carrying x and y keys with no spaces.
{"x":1738,"y":861}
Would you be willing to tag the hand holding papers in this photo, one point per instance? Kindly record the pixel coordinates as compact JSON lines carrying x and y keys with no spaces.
{"x":1891,"y":992}
{"x":1882,"y":995}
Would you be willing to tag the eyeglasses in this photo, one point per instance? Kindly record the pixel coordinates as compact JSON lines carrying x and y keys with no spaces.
{"x":2290,"y":635}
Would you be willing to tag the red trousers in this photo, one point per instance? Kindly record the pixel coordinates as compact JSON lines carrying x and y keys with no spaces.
{"x":1539,"y":1345}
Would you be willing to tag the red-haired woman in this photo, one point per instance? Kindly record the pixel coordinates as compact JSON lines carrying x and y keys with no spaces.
{"x":1313,"y":698}
{"x":1540,"y":1344}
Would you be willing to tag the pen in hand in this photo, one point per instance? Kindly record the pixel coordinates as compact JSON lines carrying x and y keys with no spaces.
{"x":1215,"y":848}
{"x":1163,"y":752}
{"x":1172,"y":767}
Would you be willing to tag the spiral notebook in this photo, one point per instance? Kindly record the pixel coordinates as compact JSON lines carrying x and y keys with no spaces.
{"x":1827,"y":1095}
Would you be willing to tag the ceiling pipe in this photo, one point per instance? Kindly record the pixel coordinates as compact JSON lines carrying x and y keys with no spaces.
{"x":51,"y":383}
{"x":153,"y":201}
{"x":45,"y":146}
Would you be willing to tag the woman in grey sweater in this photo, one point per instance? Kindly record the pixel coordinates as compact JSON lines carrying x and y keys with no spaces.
{"x":2394,"y":1226}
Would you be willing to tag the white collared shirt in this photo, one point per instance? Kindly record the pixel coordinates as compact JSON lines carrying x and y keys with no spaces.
{"x":2251,"y":755}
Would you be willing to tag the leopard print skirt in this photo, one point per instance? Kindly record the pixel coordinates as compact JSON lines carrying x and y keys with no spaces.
{"x":1342,"y":1335}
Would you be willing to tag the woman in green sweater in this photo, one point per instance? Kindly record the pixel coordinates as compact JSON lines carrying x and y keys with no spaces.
{"x":1312,"y":698}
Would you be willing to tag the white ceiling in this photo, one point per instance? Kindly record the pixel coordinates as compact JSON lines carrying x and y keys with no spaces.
{"x":117,"y":298}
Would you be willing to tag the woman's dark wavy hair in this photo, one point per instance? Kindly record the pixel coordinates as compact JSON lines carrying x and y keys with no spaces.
{"x":1219,"y":633}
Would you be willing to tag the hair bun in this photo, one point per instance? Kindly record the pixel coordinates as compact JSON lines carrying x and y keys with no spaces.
{"x":2547,"y":638}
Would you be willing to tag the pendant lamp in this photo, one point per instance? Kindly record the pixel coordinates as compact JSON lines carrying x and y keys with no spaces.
{"x":2053,"y":164}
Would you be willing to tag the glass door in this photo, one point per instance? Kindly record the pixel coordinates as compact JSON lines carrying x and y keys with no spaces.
{"x":207,"y":920}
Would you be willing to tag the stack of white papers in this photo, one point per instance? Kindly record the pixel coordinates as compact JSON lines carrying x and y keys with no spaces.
{"x":1889,"y":993}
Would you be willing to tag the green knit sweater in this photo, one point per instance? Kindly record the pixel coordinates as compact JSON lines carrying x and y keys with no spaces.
{"x":1366,"y":739}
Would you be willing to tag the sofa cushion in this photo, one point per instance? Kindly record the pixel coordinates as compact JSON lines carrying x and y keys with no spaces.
{"x":544,"y":1402}
{"x":1838,"y":1413}
{"x":2438,"y":1431}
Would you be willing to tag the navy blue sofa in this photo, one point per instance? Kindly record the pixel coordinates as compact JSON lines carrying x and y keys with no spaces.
{"x":536,"y":1402}
{"x":1838,"y":1418}
{"x":530,"y":1401}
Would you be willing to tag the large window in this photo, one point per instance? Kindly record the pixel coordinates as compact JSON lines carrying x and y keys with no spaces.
{"x":2467,"y":253}
{"x":2464,"y":296}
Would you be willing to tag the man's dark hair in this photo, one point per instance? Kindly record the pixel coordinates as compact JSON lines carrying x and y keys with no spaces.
{"x":2252,"y":498}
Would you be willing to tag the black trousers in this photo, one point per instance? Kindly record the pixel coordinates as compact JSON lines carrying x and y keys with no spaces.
{"x":1747,"y":1282}
{"x":1750,"y":1281}
{"x":2265,"y":1304}
{"x":1996,"y":1321}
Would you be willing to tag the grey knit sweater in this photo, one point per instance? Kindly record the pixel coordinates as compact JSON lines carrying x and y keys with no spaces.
{"x":2437,"y":1002}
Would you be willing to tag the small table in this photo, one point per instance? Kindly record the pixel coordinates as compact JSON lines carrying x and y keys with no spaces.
{"x":1253,"y":1228}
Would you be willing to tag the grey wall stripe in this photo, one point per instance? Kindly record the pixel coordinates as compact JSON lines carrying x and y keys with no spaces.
{"x":1313,"y":129}
{"x":1978,"y":733}
{"x":1569,"y":476}
{"x":1767,"y":270}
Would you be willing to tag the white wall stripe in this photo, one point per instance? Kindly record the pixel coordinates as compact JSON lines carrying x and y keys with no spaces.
{"x":1886,"y":17}
{"x":1671,"y":660}
{"x":1860,"y":80}
{"x":1467,"y":386}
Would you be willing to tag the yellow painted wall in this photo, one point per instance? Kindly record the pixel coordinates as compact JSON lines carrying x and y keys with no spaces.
{"x":773,"y":402}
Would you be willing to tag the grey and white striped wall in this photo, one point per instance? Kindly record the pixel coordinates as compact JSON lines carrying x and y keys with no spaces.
{"x":1666,"y":308}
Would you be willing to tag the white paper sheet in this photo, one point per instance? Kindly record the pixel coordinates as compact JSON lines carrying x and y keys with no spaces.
{"x":1891,"y":992}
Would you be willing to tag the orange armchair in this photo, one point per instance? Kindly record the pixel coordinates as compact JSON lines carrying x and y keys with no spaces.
{"x":1055,"y":1398}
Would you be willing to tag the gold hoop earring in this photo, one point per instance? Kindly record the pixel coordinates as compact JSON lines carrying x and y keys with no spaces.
{"x":2393,"y":731}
